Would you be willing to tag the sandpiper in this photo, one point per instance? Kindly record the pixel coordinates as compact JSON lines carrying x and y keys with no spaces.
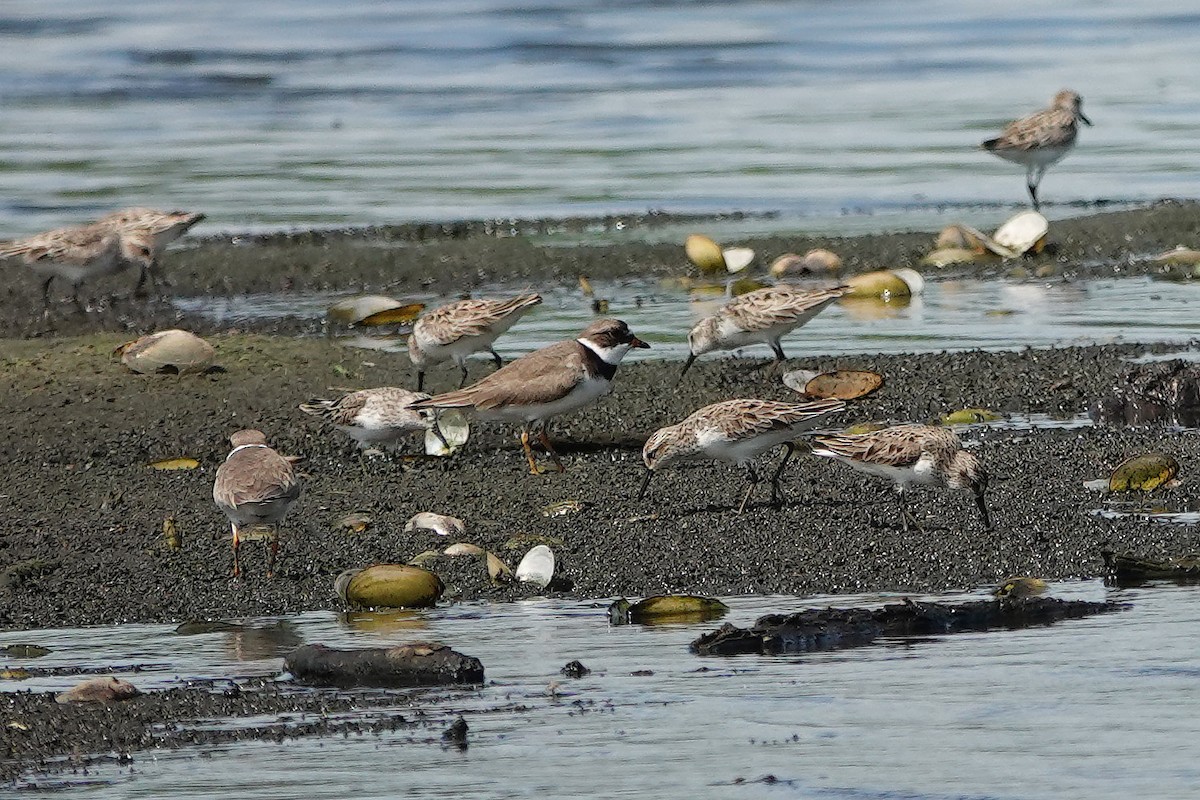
{"x":163,"y":227}
{"x":255,"y":486}
{"x":80,"y":253}
{"x":456,"y":330}
{"x":371,"y":417}
{"x":762,"y":316}
{"x":558,"y":379}
{"x":735,"y":431}
{"x":1041,"y":139}
{"x":911,"y":454}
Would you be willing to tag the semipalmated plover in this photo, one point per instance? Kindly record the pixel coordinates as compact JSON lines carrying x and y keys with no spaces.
{"x":735,"y":431}
{"x":255,"y":486}
{"x":555,"y":380}
{"x":373,"y":417}
{"x":908,"y":455}
{"x":456,"y":330}
{"x":762,"y":316}
{"x":80,"y":253}
{"x":163,"y":227}
{"x":1041,"y":139}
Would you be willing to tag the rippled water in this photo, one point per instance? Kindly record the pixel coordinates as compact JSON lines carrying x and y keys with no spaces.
{"x":1097,"y":708}
{"x":311,"y":113}
{"x":950,"y":315}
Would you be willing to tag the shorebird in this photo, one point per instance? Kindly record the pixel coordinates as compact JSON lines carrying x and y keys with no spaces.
{"x":80,"y":253}
{"x":908,"y":455}
{"x":255,"y":486}
{"x":735,"y":431}
{"x":370,"y":417}
{"x":456,"y":330}
{"x":555,"y":380}
{"x":1041,"y":139}
{"x":762,"y":316}
{"x":163,"y":227}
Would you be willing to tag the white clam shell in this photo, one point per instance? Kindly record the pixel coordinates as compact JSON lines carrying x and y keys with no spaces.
{"x":455,"y":429}
{"x":537,"y":567}
{"x":737,"y":258}
{"x":350,"y":310}
{"x":172,"y":350}
{"x":438,"y":523}
{"x":912,"y":279}
{"x":1020,"y":233}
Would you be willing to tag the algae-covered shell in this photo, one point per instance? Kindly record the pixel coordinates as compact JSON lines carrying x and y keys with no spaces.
{"x":389,"y":586}
{"x":1143,"y":473}
{"x":668,"y":608}
{"x":351,"y":310}
{"x":886,"y":284}
{"x":172,"y":351}
{"x":1024,"y":232}
{"x":537,"y":567}
{"x":970,"y":416}
{"x":1020,"y":587}
{"x":1179,"y":257}
{"x":842,"y":384}
{"x":704,"y":253}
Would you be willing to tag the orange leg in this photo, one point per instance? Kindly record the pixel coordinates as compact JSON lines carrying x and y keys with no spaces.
{"x":274,"y":553}
{"x":533,"y":468}
{"x":545,"y":440}
{"x":237,"y":565}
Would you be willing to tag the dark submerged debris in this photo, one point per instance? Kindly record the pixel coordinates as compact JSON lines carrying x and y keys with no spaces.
{"x":575,"y":669}
{"x":416,"y":664}
{"x":1125,"y":568}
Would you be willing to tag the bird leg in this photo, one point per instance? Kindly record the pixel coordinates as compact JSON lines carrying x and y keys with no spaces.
{"x":274,"y":552}
{"x":906,"y":517}
{"x":777,"y":348}
{"x":78,"y":303}
{"x":545,"y":440}
{"x":237,"y":565}
{"x":496,"y":357}
{"x":46,"y":292}
{"x":776,"y":490}
{"x":753,"y":476}
{"x":462,"y":366}
{"x":420,"y":380}
{"x":981,"y":504}
{"x":533,"y":467}
{"x":1033,"y":176}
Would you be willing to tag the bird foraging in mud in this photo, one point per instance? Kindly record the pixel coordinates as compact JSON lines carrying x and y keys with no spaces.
{"x":255,"y":486}
{"x":558,"y":379}
{"x":159,"y":228}
{"x":763,"y":316}
{"x":735,"y":431}
{"x":454,"y":331}
{"x":909,"y":455}
{"x":382,"y":416}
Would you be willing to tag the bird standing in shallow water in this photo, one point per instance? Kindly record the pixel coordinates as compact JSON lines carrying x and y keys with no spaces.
{"x":558,"y":379}
{"x":735,"y":431}
{"x":1041,"y":139}
{"x":763,"y":316}
{"x":911,"y":454}
{"x":255,"y":486}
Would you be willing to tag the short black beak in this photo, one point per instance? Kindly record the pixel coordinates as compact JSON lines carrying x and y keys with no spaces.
{"x":1084,"y":119}
{"x":636,"y":342}
{"x":645,"y":484}
{"x":686,"y":366}
{"x":981,"y":504}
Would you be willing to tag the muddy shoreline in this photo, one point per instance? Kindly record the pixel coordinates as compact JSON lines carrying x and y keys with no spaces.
{"x":81,"y":513}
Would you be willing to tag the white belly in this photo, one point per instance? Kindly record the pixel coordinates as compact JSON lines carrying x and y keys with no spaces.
{"x":740,"y":451}
{"x":586,"y":392}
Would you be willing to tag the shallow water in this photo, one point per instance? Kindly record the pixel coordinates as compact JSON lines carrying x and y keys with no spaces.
{"x":308,"y":113}
{"x":1100,"y":707}
{"x":951,"y":315}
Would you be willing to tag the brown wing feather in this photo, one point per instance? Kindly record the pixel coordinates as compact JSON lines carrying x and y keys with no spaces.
{"x":778,"y":305}
{"x":79,"y":244}
{"x":533,"y":379}
{"x":897,"y":446}
{"x":340,"y":411}
{"x":471,"y":317}
{"x":1054,"y":127}
{"x":749,"y":417}
{"x":255,"y":475}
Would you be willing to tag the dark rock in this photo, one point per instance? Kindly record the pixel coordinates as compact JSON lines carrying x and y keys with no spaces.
{"x":1124,"y":568}
{"x":575,"y":669}
{"x":416,"y":664}
{"x":456,"y":734}
{"x":839,"y":628}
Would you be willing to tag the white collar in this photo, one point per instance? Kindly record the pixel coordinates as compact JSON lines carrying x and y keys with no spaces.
{"x":609,"y":355}
{"x":243,"y":447}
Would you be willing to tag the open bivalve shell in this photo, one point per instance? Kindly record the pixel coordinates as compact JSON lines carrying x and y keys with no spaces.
{"x":709,"y":257}
{"x":172,"y":352}
{"x":455,"y":429}
{"x":352,"y":310}
{"x":886,"y":284}
{"x":1019,"y":235}
{"x":389,"y":586}
{"x":537,"y":567}
{"x":841,"y":384}
{"x":1144,"y":473}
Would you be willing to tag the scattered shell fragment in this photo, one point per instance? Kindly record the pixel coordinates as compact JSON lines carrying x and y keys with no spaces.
{"x":710,"y":258}
{"x":585,"y":286}
{"x":1143,"y":473}
{"x":564,"y":507}
{"x":350,"y":310}
{"x":886,"y":284}
{"x":1022,"y":233}
{"x":537,"y":567}
{"x":15,"y":674}
{"x":424,"y":557}
{"x":960,"y":237}
{"x":818,"y":261}
{"x":98,"y":690}
{"x":949,"y":256}
{"x":455,"y":430}
{"x":389,"y":586}
{"x":1179,"y":257}
{"x":498,"y":571}
{"x":173,"y":352}
{"x":666,"y":608}
{"x":970,"y":416}
{"x":842,"y":384}
{"x":354,"y":522}
{"x":438,"y":523}
{"x":463,"y":549}
{"x":1019,"y":587}
{"x":400,"y":315}
{"x":171,"y":537}
{"x":184,"y":462}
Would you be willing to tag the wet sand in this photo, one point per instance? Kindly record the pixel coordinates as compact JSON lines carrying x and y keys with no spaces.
{"x":81,"y":513}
